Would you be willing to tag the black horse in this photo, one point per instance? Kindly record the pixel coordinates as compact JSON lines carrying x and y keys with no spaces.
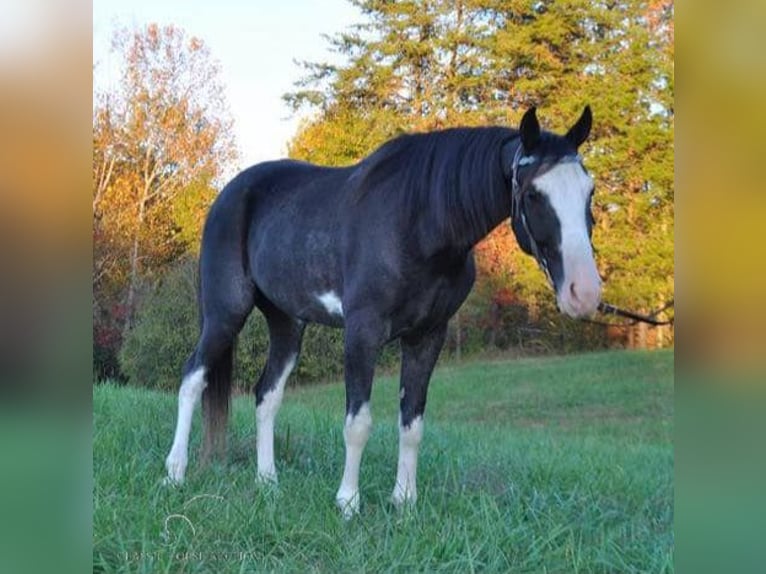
{"x":383,"y":249}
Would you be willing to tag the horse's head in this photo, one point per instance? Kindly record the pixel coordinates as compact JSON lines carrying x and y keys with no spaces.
{"x":551,"y":210}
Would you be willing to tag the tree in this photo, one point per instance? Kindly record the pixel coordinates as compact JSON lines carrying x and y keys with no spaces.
{"x":161,"y":141}
{"x":419,"y":59}
{"x":425,"y":64}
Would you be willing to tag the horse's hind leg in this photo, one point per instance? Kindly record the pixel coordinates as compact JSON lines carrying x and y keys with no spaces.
{"x":207,"y":373}
{"x":208,"y":369}
{"x":285,"y":335}
{"x":192,"y":385}
{"x":419,"y":355}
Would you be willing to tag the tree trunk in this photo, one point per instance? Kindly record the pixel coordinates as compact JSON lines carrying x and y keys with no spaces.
{"x":130,"y":297}
{"x":660,"y":339}
{"x":642,"y":335}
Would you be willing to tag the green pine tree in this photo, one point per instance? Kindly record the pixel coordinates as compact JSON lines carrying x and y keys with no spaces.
{"x":425,"y":64}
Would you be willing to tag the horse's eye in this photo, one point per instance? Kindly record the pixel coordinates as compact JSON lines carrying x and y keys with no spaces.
{"x":535,"y":196}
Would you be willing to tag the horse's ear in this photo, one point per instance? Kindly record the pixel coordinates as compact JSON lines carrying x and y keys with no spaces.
{"x":579,"y":132}
{"x":529,"y":130}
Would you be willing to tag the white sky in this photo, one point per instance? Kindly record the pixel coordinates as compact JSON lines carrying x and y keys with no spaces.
{"x":255,"y":41}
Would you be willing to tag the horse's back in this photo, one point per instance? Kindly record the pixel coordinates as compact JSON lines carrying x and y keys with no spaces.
{"x":276,"y":179}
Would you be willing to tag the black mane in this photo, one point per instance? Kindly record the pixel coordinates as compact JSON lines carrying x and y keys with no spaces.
{"x":449,"y":173}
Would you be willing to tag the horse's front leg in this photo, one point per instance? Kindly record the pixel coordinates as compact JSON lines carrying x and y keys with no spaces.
{"x":364,"y":337}
{"x":419,"y":355}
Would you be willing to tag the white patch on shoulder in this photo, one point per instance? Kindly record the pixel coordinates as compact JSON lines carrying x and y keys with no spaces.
{"x":332,"y":303}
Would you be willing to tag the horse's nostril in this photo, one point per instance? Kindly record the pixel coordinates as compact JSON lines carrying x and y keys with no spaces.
{"x":572,"y":290}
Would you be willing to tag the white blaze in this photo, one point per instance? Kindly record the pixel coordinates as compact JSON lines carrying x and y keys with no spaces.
{"x":355,"y":434}
{"x":567,"y":188}
{"x":188,"y":396}
{"x":265,"y":414}
{"x":332,"y":303}
{"x":405,"y":489}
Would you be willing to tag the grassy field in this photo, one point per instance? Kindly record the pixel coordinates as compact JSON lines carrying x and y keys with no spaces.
{"x":534,"y":465}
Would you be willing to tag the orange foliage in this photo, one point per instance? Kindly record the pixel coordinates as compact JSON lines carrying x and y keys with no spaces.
{"x":496,"y":259}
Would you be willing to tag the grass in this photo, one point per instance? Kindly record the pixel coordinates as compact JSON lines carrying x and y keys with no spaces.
{"x":534,"y":465}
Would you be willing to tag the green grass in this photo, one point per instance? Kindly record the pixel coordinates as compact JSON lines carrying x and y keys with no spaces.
{"x":534,"y":465}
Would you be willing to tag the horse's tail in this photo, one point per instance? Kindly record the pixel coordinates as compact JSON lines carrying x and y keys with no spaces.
{"x":226,"y":297}
{"x":215,"y":404}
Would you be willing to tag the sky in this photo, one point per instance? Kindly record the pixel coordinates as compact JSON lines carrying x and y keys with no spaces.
{"x":255,"y":41}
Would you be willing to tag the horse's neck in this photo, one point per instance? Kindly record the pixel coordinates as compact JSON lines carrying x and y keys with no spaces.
{"x":490,"y":205}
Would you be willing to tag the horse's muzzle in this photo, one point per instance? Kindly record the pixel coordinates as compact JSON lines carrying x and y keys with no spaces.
{"x":580,"y":293}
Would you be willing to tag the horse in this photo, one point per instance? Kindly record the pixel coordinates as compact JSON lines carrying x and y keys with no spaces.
{"x":383,"y":249}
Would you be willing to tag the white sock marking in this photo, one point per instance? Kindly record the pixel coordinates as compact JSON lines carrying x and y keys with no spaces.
{"x":265,"y":414}
{"x":405,"y":489}
{"x":332,"y":303}
{"x":188,"y":396}
{"x":355,"y":434}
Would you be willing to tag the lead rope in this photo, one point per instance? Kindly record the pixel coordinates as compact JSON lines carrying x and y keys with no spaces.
{"x":608,"y":309}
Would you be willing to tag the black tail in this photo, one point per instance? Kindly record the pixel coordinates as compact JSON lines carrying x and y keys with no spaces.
{"x":215,"y":406}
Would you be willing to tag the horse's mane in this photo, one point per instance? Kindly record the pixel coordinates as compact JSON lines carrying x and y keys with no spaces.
{"x":441,"y":171}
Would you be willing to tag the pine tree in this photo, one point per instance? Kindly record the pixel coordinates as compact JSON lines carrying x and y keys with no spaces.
{"x":425,"y":64}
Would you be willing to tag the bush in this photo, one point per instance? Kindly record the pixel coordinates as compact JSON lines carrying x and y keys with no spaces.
{"x":166,"y":330}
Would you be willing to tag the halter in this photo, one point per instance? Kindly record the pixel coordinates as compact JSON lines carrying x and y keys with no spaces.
{"x":517,"y":203}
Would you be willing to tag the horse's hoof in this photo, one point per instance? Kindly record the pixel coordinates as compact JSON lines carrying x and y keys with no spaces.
{"x":172,"y":482}
{"x":402,"y":498}
{"x":267,"y":484}
{"x":349,"y":507}
{"x":176,"y":471}
{"x":267,"y":479}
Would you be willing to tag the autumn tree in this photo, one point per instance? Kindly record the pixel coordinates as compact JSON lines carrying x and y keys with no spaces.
{"x":162,"y":139}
